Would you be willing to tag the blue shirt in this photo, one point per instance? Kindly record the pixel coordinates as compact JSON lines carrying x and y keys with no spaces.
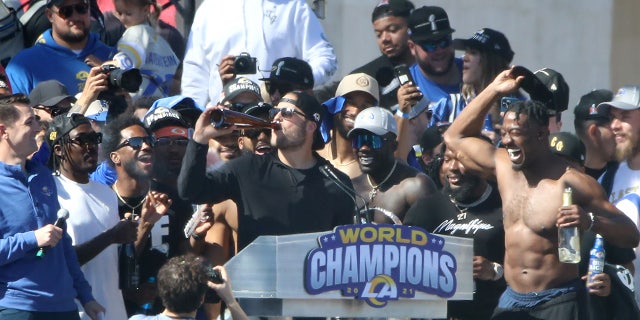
{"x":438,"y":95}
{"x":49,"y":284}
{"x":47,"y":60}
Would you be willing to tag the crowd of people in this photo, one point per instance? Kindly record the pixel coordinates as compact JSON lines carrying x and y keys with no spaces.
{"x":110,"y":149}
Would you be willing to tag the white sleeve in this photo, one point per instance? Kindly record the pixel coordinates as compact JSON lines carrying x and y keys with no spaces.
{"x":316,"y":49}
{"x":196,"y":67}
{"x":629,"y":208}
{"x":132,"y":47}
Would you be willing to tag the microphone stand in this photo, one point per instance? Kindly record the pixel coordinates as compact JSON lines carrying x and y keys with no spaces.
{"x":358,"y":219}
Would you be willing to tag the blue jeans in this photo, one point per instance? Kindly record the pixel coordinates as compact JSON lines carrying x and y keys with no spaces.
{"x":14,"y":314}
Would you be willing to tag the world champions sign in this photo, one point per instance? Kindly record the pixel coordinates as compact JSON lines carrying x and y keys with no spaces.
{"x":379,"y":263}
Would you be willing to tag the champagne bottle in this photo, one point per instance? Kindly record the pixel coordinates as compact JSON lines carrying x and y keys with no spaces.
{"x":127,"y":264}
{"x":568,"y":237}
{"x":596,"y":258}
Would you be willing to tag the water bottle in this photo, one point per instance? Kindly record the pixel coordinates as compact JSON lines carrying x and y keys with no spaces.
{"x":128,"y":269}
{"x":596,"y":258}
{"x":488,"y":124}
{"x":568,"y":237}
{"x":147,"y":307}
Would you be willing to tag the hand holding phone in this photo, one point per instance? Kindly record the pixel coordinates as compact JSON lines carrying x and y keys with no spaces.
{"x":402,"y":73}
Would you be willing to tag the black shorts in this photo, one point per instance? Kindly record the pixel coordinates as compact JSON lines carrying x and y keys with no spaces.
{"x":568,"y":306}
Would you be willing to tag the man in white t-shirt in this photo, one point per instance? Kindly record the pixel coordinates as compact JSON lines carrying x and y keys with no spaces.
{"x":625,"y":191}
{"x":266,"y":30}
{"x":93,"y":224}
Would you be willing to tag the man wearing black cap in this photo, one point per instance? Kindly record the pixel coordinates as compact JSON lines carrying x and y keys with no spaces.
{"x":49,"y":99}
{"x":554,"y":81}
{"x":592,"y":126}
{"x":34,"y":286}
{"x":61,"y":52}
{"x":280,"y":193}
{"x":93,"y":222}
{"x":437,"y":74}
{"x":288,"y":74}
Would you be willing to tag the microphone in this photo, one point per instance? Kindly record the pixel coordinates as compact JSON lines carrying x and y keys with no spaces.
{"x":328,"y":172}
{"x":62,"y":214}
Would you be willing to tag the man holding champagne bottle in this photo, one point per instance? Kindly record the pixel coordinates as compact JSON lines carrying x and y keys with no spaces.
{"x":283,"y":192}
{"x":531,"y":180}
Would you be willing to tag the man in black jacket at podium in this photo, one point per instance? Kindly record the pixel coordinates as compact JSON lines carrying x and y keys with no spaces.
{"x":284,"y":192}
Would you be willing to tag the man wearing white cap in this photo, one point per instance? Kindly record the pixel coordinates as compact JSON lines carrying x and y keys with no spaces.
{"x":625,"y":124}
{"x":389,"y":186}
{"x":355,"y":93}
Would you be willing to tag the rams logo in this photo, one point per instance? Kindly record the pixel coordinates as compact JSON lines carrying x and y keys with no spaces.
{"x":379,"y":290}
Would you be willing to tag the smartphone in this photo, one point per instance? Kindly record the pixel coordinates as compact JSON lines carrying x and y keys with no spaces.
{"x":506,"y":102}
{"x":401,"y":72}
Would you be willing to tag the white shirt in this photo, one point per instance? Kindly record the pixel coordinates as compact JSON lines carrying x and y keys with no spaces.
{"x":143,"y":48}
{"x":93,"y":209}
{"x":266,"y":29}
{"x":625,"y":181}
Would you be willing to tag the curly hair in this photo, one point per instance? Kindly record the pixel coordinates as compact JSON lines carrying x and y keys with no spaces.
{"x":112,"y":132}
{"x":535,"y":111}
{"x":182,"y":283}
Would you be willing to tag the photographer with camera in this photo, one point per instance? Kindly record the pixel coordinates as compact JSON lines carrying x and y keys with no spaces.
{"x":183,"y":283}
{"x":265,"y":30}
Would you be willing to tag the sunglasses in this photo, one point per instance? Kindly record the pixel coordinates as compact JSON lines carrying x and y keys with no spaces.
{"x":65,"y":12}
{"x":255,"y":133}
{"x":374,"y":141}
{"x":287,"y":113}
{"x":166,"y":141}
{"x":53,"y":111}
{"x":431,"y":46}
{"x":136,"y":142}
{"x":282,"y":87}
{"x":92,"y":138}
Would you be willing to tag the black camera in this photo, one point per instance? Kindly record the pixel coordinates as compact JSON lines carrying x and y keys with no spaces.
{"x":129,"y":80}
{"x":245,"y":64}
{"x":214,"y":276}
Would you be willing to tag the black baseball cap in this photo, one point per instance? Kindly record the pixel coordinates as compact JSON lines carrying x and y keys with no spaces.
{"x":240,"y":85}
{"x":533,"y":86}
{"x":588,"y":109}
{"x":429,"y":23}
{"x":554,"y":81}
{"x":292,"y":70}
{"x":62,"y":125}
{"x":49,"y":93}
{"x":567,"y":145}
{"x":488,"y":40}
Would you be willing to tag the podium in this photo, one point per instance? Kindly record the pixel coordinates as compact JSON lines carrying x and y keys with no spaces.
{"x":270,"y":276}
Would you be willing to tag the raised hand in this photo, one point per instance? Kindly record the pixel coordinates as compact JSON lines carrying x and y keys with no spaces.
{"x":155,"y":206}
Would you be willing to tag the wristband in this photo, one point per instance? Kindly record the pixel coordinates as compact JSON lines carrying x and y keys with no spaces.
{"x":402,"y":114}
{"x":499,"y":271}
{"x":196,"y":237}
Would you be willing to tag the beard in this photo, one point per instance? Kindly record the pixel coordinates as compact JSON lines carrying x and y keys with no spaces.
{"x":71,"y":37}
{"x":292,"y":139}
{"x":628,"y":149}
{"x":464,"y":193}
{"x":132,"y":169}
{"x":428,"y":69}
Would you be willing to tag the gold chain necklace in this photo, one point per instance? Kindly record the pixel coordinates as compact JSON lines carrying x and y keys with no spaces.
{"x":133,"y":208}
{"x":345,"y":164}
{"x":374,"y":189}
